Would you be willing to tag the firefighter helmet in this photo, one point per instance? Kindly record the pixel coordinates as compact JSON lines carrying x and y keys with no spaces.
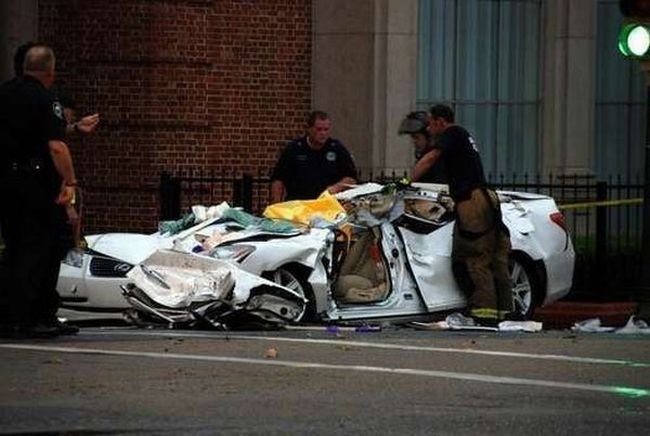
{"x":414,"y":122}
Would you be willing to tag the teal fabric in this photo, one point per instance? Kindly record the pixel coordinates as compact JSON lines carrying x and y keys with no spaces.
{"x":247,"y":220}
{"x":175,"y":227}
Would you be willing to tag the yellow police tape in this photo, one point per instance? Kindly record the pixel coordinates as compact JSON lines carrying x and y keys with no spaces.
{"x":628,"y":201}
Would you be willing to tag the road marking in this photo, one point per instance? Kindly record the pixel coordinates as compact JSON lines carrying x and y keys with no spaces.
{"x":626,"y":391}
{"x":384,"y":346}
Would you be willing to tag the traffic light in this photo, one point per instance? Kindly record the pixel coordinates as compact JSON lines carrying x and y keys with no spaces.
{"x":634,"y":40}
{"x":634,"y":37}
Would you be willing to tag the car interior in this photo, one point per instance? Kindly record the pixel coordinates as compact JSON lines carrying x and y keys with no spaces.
{"x":362,"y":274}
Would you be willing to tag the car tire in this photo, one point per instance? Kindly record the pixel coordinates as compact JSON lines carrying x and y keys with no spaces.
{"x":294,"y":277}
{"x":526,"y":288}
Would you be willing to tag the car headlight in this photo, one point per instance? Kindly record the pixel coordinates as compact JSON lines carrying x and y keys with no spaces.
{"x":235,"y":253}
{"x":74,"y":258}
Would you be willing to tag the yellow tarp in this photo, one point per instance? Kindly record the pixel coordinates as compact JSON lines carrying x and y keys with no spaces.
{"x":326,"y":206}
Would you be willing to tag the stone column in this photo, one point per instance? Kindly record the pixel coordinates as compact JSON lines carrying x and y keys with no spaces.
{"x":364,"y":74}
{"x":569,"y":87}
{"x":18,"y":24}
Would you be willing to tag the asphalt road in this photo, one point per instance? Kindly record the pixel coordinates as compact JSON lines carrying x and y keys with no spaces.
{"x":123,"y":380}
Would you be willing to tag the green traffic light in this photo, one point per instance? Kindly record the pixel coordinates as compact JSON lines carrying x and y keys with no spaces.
{"x":634,"y":40}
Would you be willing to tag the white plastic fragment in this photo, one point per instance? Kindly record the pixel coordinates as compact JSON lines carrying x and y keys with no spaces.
{"x":591,"y":325}
{"x":520,"y":326}
{"x":634,"y":326}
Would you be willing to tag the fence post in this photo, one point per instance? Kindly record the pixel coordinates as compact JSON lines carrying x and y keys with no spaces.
{"x":242,"y":192}
{"x":601,"y":232}
{"x":247,"y":192}
{"x":237,"y":191}
{"x":170,"y":197}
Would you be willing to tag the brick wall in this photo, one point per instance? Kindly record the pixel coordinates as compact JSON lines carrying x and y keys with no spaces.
{"x":180,"y":85}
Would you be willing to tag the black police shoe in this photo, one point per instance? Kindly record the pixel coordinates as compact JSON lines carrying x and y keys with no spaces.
{"x":31,"y":331}
{"x":42,"y":331}
{"x":64,"y":328}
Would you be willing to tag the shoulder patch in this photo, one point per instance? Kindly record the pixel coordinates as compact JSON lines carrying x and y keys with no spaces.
{"x":57,"y":109}
{"x":473,"y":143}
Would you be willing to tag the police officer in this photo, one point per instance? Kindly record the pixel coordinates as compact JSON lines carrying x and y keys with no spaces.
{"x":415,"y":124}
{"x":312,"y":163}
{"x":481,"y":243}
{"x":37,"y":183}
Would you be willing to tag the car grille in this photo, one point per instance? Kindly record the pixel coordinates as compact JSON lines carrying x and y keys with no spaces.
{"x":107,"y":267}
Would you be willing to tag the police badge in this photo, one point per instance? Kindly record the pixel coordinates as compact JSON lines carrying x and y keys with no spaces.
{"x":57,"y":109}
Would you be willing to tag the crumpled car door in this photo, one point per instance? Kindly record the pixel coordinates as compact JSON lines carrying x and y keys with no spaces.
{"x":426,"y":229}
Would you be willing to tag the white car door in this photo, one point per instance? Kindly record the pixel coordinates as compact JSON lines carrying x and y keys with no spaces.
{"x":429,"y":257}
{"x":426,"y":225}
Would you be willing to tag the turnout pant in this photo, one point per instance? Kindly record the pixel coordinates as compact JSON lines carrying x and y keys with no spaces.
{"x":481,"y":246}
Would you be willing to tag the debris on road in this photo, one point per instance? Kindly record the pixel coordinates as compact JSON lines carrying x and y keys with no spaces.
{"x":457,"y":321}
{"x":594,"y":325}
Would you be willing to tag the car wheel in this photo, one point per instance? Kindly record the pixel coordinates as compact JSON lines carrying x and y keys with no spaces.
{"x":525,"y":287}
{"x":295,"y":278}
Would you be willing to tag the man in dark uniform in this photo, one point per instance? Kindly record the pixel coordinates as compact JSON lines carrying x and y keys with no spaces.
{"x":416,"y":124}
{"x":481,"y":242}
{"x":312,"y":163}
{"x":37,"y":182}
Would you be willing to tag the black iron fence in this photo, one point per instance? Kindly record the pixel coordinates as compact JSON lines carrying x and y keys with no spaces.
{"x":604,"y":217}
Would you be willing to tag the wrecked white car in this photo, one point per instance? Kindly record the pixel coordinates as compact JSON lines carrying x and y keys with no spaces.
{"x":391,"y":259}
{"x":188,"y":289}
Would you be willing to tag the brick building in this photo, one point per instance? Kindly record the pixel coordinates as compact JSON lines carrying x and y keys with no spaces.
{"x":180,"y":85}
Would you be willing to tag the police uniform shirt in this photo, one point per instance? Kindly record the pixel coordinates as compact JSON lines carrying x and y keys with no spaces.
{"x":462,"y":162}
{"x":29,"y":118}
{"x":306,"y":172}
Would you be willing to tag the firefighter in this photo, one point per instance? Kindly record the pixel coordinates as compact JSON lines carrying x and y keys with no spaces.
{"x":481,"y":242}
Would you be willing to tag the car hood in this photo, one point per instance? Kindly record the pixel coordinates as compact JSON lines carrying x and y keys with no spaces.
{"x":133,"y":248}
